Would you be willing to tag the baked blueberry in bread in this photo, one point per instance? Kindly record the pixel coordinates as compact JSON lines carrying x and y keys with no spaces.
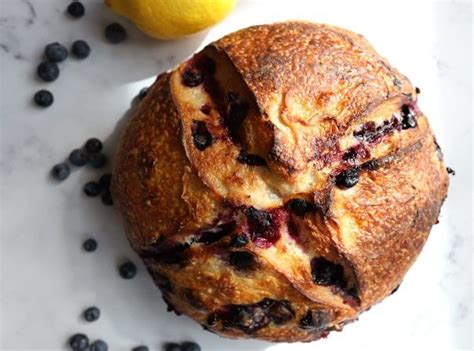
{"x":280,"y":182}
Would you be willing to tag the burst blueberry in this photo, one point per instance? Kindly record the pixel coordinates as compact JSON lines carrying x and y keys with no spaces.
{"x":325,"y":272}
{"x":242,"y":260}
{"x":48,"y":71}
{"x":348,"y":178}
{"x":115,"y":33}
{"x":43,"y":98}
{"x":60,"y":171}
{"x":239,"y":241}
{"x":80,"y":49}
{"x":55,"y":52}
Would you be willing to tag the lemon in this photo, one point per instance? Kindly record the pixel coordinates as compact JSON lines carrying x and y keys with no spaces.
{"x":172,"y":19}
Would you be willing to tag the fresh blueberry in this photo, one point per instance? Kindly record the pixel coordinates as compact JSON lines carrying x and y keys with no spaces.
{"x":55,"y":52}
{"x":172,"y":346}
{"x":279,"y":312}
{"x":99,"y":345}
{"x":242,"y":260}
{"x":76,"y":9}
{"x":143,"y":93}
{"x":141,"y":348}
{"x":79,"y":342}
{"x":107,"y":198}
{"x":90,"y":245}
{"x":80,"y":49}
{"x":60,"y":171}
{"x":115,"y":33}
{"x":347,"y":179}
{"x":91,"y":314}
{"x":48,"y":71}
{"x":97,"y":160}
{"x":78,"y":157}
{"x":104,"y":180}
{"x":92,"y":189}
{"x":190,"y":346}
{"x":239,"y":241}
{"x":93,"y":145}
{"x":128,"y":270}
{"x":43,"y":98}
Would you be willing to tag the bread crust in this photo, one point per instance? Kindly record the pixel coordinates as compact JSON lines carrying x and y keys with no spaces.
{"x":232,"y":141}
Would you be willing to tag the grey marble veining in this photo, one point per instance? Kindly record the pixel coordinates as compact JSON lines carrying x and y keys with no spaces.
{"x":47,"y":280}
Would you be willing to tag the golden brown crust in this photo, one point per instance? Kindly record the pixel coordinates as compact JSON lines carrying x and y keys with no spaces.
{"x":300,"y":139}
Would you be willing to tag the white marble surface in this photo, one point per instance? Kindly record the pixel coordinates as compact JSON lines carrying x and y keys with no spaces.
{"x":46,"y":279}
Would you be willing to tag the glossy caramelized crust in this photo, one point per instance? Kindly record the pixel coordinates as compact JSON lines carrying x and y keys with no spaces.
{"x":280,"y":182}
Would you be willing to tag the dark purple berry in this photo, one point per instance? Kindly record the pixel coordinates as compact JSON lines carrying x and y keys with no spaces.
{"x":171,"y":346}
{"x":143,"y":92}
{"x":55,"y":52}
{"x":141,"y":348}
{"x":78,"y":157}
{"x":43,"y":98}
{"x":128,"y":270}
{"x":242,"y":260}
{"x":48,"y":71}
{"x":214,"y":234}
{"x":90,"y":245}
{"x":60,"y":171}
{"x":190,"y":346}
{"x":201,"y":136}
{"x":248,"y":318}
{"x":91,"y":314}
{"x":80,"y":49}
{"x":250,"y":159}
{"x":99,"y":345}
{"x":315,"y":321}
{"x":93,"y":145}
{"x":115,"y":33}
{"x":76,"y":9}
{"x":192,"y":77}
{"x":92,"y":189}
{"x":347,"y":179}
{"x":105,"y":180}
{"x":97,"y":160}
{"x":326,"y":273}
{"x":107,"y":198}
{"x":450,"y":171}
{"x":79,"y":342}
{"x":259,"y":221}
{"x":239,"y":241}
{"x":299,"y":207}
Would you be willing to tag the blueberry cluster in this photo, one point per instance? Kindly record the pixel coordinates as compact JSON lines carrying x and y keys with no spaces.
{"x":184,"y":346}
{"x":90,"y":154}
